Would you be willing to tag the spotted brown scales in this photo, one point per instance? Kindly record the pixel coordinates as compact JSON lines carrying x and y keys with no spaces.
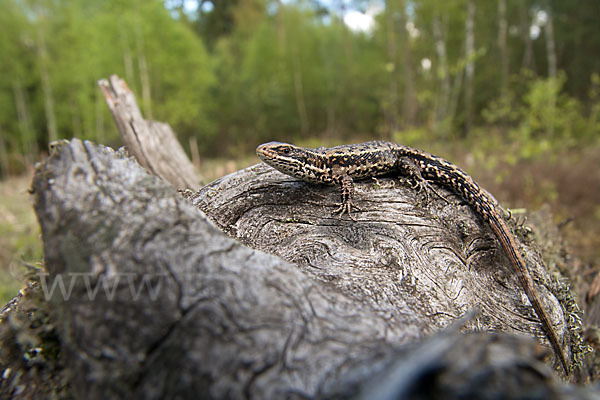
{"x":341,"y":165}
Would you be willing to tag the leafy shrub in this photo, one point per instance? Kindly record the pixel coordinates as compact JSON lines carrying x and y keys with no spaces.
{"x":545,"y":117}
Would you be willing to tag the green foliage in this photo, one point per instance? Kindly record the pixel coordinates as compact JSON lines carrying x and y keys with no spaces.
{"x":292,"y":71}
{"x":73,"y":43}
{"x":593,"y":127}
{"x":544,"y":117}
{"x":548,"y":112}
{"x":412,"y":137}
{"x":219,"y":21}
{"x":292,"y":77}
{"x":181,"y":74}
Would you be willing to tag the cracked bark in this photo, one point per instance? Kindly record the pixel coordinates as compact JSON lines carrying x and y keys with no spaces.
{"x":346,"y":315}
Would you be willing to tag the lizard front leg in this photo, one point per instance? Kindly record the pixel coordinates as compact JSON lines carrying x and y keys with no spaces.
{"x":347,"y":194}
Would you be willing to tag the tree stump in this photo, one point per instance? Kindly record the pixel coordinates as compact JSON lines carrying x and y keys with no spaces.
{"x":249,"y":288}
{"x":418,"y":263}
{"x":158,"y":303}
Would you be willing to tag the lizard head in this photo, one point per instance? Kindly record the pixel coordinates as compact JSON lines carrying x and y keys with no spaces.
{"x":284,"y":157}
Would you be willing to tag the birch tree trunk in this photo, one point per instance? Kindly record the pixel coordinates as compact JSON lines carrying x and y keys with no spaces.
{"x":280,"y":28}
{"x":27,"y":135}
{"x":299,"y":91}
{"x":143,"y":67}
{"x":46,"y":86}
{"x":392,"y":59}
{"x":504,"y":59}
{"x":470,"y":66}
{"x":455,"y":92}
{"x":550,"y":46}
{"x":443,"y":97}
{"x":552,"y":68}
{"x":127,"y":55}
{"x":528,"y":60}
{"x":503,"y":47}
{"x":409,"y":102}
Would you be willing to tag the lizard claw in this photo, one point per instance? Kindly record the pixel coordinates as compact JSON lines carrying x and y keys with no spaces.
{"x":347,"y":193}
{"x":422,"y":186}
{"x":346,"y":207}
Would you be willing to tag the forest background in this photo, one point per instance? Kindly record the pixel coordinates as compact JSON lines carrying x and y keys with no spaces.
{"x":507,"y":89}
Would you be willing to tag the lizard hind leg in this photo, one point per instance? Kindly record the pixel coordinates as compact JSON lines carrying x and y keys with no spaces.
{"x":347,"y":194}
{"x":412,"y":174}
{"x":411,"y":171}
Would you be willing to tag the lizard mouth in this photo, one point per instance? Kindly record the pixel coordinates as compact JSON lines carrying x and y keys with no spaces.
{"x":262,"y":152}
{"x":266,"y":152}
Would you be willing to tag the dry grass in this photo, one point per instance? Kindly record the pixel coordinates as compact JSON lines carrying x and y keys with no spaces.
{"x":19,"y":234}
{"x":569,"y":183}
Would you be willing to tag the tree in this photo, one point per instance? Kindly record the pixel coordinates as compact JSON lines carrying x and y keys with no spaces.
{"x":215,"y":20}
{"x":17,"y":76}
{"x":470,"y":63}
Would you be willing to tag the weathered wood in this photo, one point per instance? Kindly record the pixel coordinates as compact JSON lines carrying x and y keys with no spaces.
{"x":217,"y":319}
{"x":420,"y":265}
{"x":227,"y":321}
{"x":153,"y":144}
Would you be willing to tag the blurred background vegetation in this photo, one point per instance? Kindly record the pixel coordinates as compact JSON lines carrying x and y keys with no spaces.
{"x":508,"y":89}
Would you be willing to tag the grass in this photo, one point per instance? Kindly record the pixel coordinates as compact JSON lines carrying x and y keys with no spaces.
{"x":20,"y":241}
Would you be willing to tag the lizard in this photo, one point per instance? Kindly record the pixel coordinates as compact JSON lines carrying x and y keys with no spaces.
{"x":341,"y":165}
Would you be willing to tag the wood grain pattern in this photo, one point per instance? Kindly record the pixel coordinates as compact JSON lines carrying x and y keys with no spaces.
{"x":421,"y":267}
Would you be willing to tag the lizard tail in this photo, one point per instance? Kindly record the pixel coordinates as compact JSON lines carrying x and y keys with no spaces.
{"x":510,"y":247}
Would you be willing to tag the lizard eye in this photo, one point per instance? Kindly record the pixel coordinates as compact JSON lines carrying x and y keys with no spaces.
{"x":286,"y":150}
